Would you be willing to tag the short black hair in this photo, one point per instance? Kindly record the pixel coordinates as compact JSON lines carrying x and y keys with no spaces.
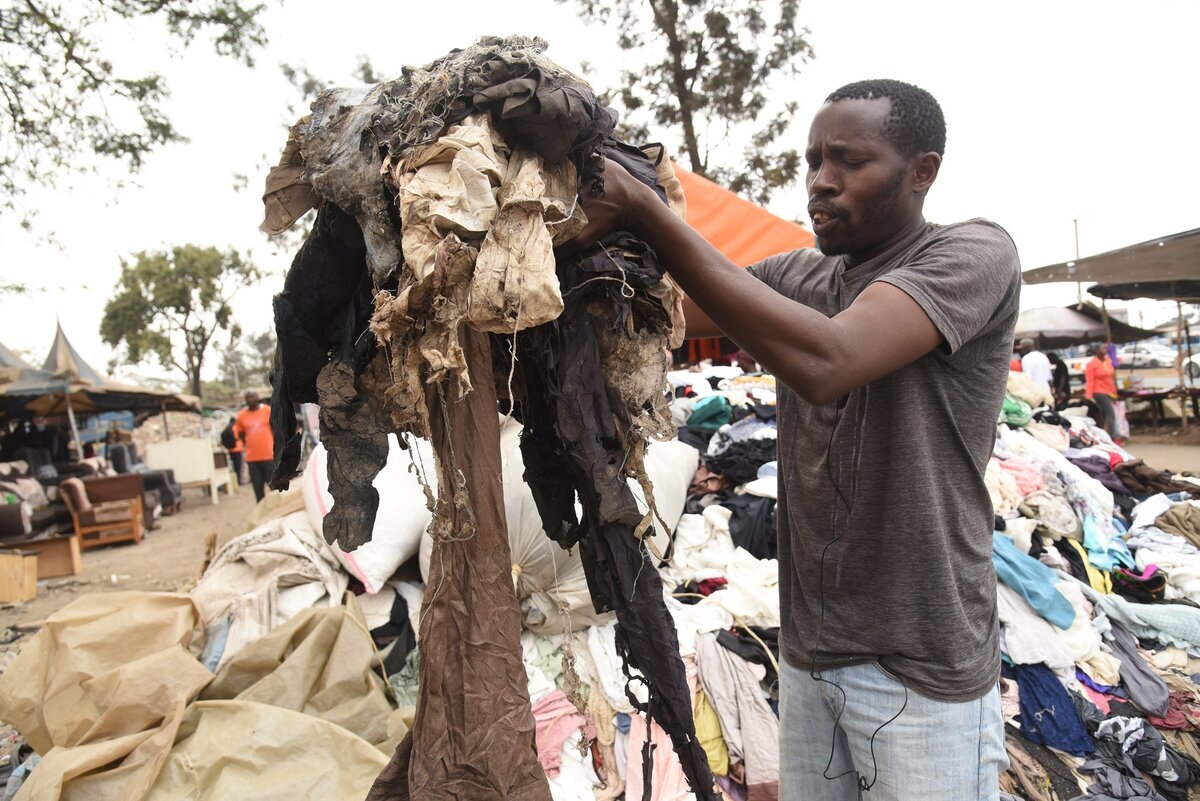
{"x":915,"y":124}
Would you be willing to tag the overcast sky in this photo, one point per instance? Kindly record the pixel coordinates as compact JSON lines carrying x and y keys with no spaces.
{"x":1057,"y":110}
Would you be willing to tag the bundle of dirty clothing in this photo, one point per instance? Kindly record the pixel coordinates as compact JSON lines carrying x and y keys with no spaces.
{"x":428,"y":295}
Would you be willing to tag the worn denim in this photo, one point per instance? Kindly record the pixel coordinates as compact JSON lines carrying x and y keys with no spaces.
{"x":934,"y":751}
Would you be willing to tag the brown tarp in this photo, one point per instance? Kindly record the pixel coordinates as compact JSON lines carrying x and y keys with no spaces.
{"x":106,"y":694}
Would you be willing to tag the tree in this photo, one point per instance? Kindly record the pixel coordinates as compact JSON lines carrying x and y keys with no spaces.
{"x":246,"y":362}
{"x":171,"y":305}
{"x":62,"y":100}
{"x":713,"y":80}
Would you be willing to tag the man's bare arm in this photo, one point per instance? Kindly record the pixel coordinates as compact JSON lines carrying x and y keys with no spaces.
{"x":819,"y":357}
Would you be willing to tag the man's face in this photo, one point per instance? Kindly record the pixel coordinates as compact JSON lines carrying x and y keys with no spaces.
{"x":860,"y":191}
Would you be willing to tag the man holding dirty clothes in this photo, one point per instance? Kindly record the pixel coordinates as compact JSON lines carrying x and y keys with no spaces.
{"x":891,"y":342}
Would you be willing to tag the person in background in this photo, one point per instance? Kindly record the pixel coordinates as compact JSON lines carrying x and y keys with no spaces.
{"x":232,"y":444}
{"x":252,"y":427}
{"x":1035,"y":364}
{"x":1101,"y":388}
{"x":1111,"y":350}
{"x":1060,"y":384}
{"x":1014,"y":364}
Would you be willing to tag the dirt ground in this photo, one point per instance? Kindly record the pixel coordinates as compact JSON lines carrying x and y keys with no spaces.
{"x":168,"y":559}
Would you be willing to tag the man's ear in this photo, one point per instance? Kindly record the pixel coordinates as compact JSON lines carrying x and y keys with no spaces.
{"x":925,"y":170}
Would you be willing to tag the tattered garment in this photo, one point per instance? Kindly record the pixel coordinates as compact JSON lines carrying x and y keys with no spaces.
{"x":460,"y":178}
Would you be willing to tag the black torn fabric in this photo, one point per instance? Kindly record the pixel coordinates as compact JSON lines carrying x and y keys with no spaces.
{"x":322,"y":310}
{"x":572,"y":443}
{"x":740,"y":461}
{"x":553,"y":115}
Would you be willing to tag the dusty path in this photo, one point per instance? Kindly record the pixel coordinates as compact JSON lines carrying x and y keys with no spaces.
{"x":169,"y":558}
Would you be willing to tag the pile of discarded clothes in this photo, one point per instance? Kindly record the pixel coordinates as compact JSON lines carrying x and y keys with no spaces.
{"x":434,"y":290}
{"x":1099,"y":607}
{"x":289,"y":646}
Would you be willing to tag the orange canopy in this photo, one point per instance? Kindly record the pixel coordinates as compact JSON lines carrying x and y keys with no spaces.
{"x":744,"y":232}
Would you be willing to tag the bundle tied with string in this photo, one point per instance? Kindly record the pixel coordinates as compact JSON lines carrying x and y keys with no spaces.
{"x":427,"y":297}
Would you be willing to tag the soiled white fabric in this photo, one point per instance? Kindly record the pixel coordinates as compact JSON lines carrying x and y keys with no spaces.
{"x":515,"y":286}
{"x":702,"y":548}
{"x":265,"y":578}
{"x":692,"y":620}
{"x":1149,"y":510}
{"x":576,"y":779}
{"x":1054,"y":516}
{"x":450,"y":189}
{"x":602,"y":648}
{"x":752,"y":594}
{"x":1020,"y":531}
{"x":1183,"y":571}
{"x":1028,"y":638}
{"x":1002,"y":488}
{"x":1084,"y":641}
{"x":1022,"y":387}
{"x":750,"y":728}
{"x":1052,"y":436}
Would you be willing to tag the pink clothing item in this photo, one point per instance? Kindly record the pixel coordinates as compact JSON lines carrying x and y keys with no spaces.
{"x":1029,"y":480}
{"x":556,"y":719}
{"x":667,"y":782}
{"x":1098,"y":698}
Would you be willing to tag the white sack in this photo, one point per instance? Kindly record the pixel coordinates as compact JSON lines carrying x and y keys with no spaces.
{"x":402,"y":517}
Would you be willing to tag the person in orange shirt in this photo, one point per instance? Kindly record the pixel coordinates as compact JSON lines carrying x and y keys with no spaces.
{"x":1101,"y":388}
{"x":252,"y":427}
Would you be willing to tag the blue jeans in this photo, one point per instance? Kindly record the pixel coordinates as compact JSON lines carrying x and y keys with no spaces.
{"x":934,"y":751}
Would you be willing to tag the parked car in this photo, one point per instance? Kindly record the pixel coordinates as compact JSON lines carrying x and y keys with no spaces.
{"x":1147,"y":355}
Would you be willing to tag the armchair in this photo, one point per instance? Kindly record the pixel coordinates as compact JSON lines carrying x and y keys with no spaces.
{"x":125,"y":460}
{"x":105,"y":510}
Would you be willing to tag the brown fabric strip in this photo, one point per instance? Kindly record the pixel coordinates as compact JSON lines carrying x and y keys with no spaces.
{"x":473,"y":736}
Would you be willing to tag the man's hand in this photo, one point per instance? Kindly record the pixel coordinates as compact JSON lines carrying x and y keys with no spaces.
{"x":617,"y":209}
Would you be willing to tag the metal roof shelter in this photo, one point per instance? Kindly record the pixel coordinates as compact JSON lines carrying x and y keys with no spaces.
{"x":1156,"y":263}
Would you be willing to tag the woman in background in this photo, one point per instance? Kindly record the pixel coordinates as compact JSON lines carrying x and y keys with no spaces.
{"x":1101,"y":388}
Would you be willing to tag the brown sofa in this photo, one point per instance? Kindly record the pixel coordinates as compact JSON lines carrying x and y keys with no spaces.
{"x":107,"y":509}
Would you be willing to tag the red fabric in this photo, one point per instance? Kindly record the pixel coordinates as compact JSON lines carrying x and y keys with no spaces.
{"x":1100,"y":378}
{"x":254,"y":428}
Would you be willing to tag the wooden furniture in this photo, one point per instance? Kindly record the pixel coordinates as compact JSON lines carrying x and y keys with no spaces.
{"x":18,"y":576}
{"x":106,"y":510}
{"x":194,"y":462}
{"x":58,"y":555}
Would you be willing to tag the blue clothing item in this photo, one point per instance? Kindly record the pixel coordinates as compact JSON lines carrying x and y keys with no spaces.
{"x":1169,"y":624}
{"x":1106,"y":557}
{"x":1089,"y":681}
{"x":1032,"y":580}
{"x":1048,"y":716}
{"x":710,"y":413}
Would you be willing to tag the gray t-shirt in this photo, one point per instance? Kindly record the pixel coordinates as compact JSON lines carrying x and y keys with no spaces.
{"x":887,"y":483}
